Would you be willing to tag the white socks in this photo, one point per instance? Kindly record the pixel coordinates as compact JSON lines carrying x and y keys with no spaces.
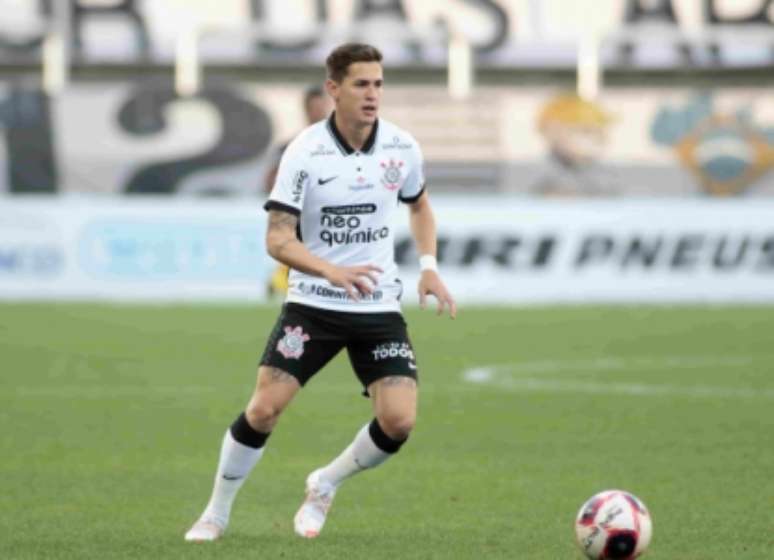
{"x":236,"y":462}
{"x":361,"y":454}
{"x":370,"y":448}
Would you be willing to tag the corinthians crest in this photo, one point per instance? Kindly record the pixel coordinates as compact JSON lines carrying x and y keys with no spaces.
{"x":292,"y":344}
{"x":392,"y":174}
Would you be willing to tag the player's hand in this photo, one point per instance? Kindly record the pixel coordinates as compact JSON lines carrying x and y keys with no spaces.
{"x":430,"y":284}
{"x":358,"y":281}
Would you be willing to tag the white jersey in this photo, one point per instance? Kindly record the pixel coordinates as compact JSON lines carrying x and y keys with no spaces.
{"x":346,"y":200}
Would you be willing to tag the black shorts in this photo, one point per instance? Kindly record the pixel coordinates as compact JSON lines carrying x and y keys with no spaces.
{"x":306,"y":338}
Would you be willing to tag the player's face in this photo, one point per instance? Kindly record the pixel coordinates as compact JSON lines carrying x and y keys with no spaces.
{"x":358,"y":95}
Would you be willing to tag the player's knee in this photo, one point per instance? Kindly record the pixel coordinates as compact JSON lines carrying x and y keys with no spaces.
{"x":397,"y":425}
{"x":262,"y":415}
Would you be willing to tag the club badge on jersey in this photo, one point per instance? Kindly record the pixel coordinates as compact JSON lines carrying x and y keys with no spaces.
{"x":392,"y":174}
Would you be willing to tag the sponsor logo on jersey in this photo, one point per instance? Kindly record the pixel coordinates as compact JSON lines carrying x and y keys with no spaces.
{"x":338,"y":230}
{"x":322,"y":181}
{"x":350,"y":209}
{"x":369,"y":235}
{"x":341,"y":225}
{"x":392,"y":350}
{"x":321,"y":150}
{"x":292,"y":344}
{"x":299,"y":182}
{"x":396,"y":144}
{"x":337,"y":294}
{"x":361,"y":185}
{"x":393,"y":175}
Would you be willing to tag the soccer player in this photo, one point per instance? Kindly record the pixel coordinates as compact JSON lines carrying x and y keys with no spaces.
{"x":317,"y":106}
{"x":330,"y":221}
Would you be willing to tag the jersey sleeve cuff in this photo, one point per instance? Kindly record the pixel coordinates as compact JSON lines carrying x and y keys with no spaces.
{"x":411,"y":199}
{"x":274,"y":205}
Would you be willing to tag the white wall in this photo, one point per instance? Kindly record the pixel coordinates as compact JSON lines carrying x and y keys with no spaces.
{"x":494,"y":250}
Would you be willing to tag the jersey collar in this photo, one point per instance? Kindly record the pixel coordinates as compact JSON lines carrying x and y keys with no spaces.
{"x":343,"y":145}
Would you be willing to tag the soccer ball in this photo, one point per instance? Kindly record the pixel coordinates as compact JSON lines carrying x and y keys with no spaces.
{"x":613,"y":524}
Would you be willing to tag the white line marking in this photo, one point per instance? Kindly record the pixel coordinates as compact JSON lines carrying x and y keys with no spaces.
{"x":521,"y":376}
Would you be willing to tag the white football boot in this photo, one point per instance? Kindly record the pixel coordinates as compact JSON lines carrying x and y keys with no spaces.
{"x":310,"y":518}
{"x":206,"y":529}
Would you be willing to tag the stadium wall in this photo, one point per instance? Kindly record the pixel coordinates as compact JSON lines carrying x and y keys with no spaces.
{"x":492,"y":250}
{"x":541,"y":141}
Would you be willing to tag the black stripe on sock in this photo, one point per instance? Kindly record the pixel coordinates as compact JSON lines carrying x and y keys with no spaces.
{"x":382,"y":440}
{"x":244,"y":433}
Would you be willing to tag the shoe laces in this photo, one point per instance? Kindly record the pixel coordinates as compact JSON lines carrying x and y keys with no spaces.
{"x":321,"y":495}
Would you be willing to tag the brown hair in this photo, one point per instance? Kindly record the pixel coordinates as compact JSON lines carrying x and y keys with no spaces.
{"x":339,"y":60}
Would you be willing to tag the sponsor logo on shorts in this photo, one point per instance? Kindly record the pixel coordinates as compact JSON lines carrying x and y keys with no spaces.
{"x":292,"y":344}
{"x":392,"y":350}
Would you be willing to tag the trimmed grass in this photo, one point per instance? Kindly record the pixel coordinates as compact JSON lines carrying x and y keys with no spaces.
{"x":112,"y":417}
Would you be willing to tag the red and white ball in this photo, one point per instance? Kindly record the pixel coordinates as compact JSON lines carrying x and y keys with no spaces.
{"x":613,"y":524}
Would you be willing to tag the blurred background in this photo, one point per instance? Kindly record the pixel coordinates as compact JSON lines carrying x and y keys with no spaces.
{"x":576,"y":150}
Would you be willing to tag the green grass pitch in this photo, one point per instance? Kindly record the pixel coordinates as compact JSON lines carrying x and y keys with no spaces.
{"x":112,"y":417}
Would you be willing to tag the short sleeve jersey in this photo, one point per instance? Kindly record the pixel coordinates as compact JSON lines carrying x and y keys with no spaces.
{"x":346,"y":201}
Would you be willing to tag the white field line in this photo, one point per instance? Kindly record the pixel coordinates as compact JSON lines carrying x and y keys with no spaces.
{"x":524,"y":376}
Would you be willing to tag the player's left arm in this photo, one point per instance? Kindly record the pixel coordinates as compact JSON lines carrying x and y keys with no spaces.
{"x":423,"y":230}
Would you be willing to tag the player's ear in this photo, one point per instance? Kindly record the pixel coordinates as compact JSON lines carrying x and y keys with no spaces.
{"x":332,"y":87}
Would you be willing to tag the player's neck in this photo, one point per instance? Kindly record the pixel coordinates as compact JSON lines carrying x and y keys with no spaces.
{"x":355,"y":134}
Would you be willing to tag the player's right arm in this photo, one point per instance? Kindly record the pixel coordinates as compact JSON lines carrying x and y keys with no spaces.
{"x":283,"y":244}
